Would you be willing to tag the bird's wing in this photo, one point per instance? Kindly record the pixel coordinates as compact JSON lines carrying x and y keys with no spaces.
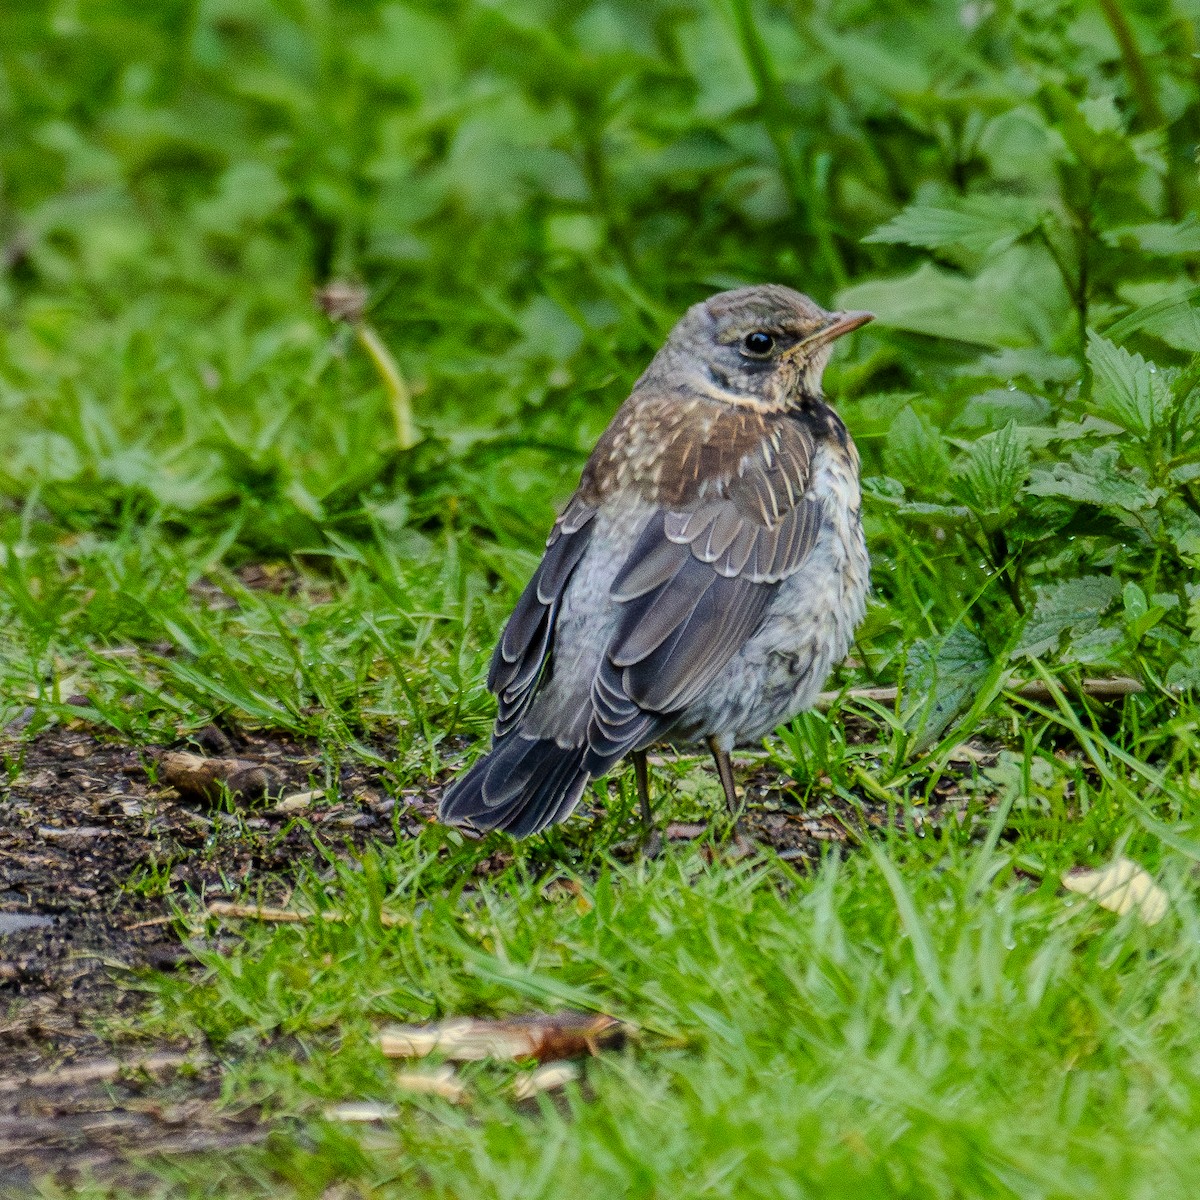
{"x":524,"y":648}
{"x":696,"y":585}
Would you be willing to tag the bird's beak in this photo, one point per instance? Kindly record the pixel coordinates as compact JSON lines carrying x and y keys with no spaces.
{"x":838,"y":324}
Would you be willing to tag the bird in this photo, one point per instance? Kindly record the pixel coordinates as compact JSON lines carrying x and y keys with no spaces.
{"x":704,"y":579}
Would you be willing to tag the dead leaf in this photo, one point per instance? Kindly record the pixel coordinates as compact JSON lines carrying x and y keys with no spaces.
{"x":544,"y":1036}
{"x":968,"y":753}
{"x":545,"y":1079}
{"x":289,"y":916}
{"x":296,"y":802}
{"x":568,"y":889}
{"x":205,"y":778}
{"x":361,"y":1112}
{"x":440,"y":1082}
{"x":685,"y":831}
{"x":1121,"y":886}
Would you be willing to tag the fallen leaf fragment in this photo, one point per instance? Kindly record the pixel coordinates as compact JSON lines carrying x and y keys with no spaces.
{"x":202,"y":778}
{"x":439,"y":1082}
{"x":1121,"y":886}
{"x":685,"y":831}
{"x":361,"y":1112}
{"x":545,"y":1079}
{"x":569,"y":890}
{"x":296,"y":802}
{"x":544,"y":1036}
{"x":289,"y":916}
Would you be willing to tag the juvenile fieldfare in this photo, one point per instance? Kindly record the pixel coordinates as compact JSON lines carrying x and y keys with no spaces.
{"x":702,"y":581}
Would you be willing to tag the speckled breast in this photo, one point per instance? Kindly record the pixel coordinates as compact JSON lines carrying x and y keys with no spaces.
{"x":808,"y":626}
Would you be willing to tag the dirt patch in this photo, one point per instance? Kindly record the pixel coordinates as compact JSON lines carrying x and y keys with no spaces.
{"x":92,"y":852}
{"x":94,"y":849}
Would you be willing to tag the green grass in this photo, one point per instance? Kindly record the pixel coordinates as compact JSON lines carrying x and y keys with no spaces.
{"x":531,"y":193}
{"x":918,"y":1023}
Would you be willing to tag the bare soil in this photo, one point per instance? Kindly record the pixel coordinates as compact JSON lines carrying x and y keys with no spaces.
{"x":94,"y":856}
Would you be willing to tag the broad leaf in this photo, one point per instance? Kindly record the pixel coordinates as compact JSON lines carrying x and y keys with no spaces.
{"x":1095,"y":478}
{"x":1128,"y":390}
{"x":1159,"y":237}
{"x":942,"y":676}
{"x":978,"y":224}
{"x":1071,"y":604}
{"x":993,"y":471}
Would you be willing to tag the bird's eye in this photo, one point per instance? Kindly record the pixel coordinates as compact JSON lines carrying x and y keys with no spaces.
{"x":758,"y":344}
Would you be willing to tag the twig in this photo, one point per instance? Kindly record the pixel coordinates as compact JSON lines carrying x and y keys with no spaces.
{"x":1034,"y":689}
{"x":289,"y":916}
{"x":150,"y":923}
{"x":101,"y":1070}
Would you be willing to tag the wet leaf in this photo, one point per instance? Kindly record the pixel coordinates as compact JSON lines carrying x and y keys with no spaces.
{"x":545,"y":1079}
{"x":440,"y":1081}
{"x":544,"y":1036}
{"x":1121,"y":886}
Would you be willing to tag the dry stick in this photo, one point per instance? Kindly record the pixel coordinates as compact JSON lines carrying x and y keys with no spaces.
{"x":289,"y":916}
{"x":1035,"y":689}
{"x":102,"y":1070}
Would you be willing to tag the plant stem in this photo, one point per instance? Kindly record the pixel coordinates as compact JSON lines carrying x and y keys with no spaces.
{"x":1134,"y":63}
{"x":399,"y":397}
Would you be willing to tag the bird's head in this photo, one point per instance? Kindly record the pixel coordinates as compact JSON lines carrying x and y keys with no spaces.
{"x":762,"y":347}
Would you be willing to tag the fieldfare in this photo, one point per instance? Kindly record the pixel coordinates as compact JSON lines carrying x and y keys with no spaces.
{"x":703,"y":580}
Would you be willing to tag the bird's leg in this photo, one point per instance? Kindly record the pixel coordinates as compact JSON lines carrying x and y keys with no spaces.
{"x":725,"y":774}
{"x":642,"y":775}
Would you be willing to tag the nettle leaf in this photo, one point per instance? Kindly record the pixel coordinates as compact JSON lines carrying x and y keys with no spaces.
{"x":979,"y":224}
{"x":1168,"y":309}
{"x":1095,"y":478}
{"x":1192,"y":591}
{"x":1018,"y":299}
{"x":1159,"y":237}
{"x":1129,"y":390}
{"x":915,"y":452}
{"x":1074,"y":605}
{"x":990,"y":475}
{"x":1184,"y":674}
{"x":943,"y":675}
{"x":1142,"y":614}
{"x":1183,"y":528}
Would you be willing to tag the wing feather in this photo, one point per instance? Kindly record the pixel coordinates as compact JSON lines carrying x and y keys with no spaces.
{"x":524,"y":650}
{"x":694,"y":588}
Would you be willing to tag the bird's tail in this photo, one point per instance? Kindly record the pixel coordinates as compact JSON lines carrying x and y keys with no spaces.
{"x":521,"y":785}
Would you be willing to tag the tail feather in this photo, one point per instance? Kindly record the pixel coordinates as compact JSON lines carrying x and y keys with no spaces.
{"x":520,"y":786}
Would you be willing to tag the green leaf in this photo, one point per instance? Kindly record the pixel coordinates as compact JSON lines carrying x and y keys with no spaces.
{"x":915,"y":452}
{"x":1159,"y":237}
{"x":1095,"y":478}
{"x":1170,"y":310}
{"x":1140,"y":616}
{"x":1017,"y":300}
{"x":943,"y":675}
{"x":1129,"y":390}
{"x":979,"y":224}
{"x":1074,"y":605}
{"x":990,"y":476}
{"x":1183,"y":527}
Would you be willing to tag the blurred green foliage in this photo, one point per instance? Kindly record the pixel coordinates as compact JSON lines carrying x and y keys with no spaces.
{"x":531,"y":192}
